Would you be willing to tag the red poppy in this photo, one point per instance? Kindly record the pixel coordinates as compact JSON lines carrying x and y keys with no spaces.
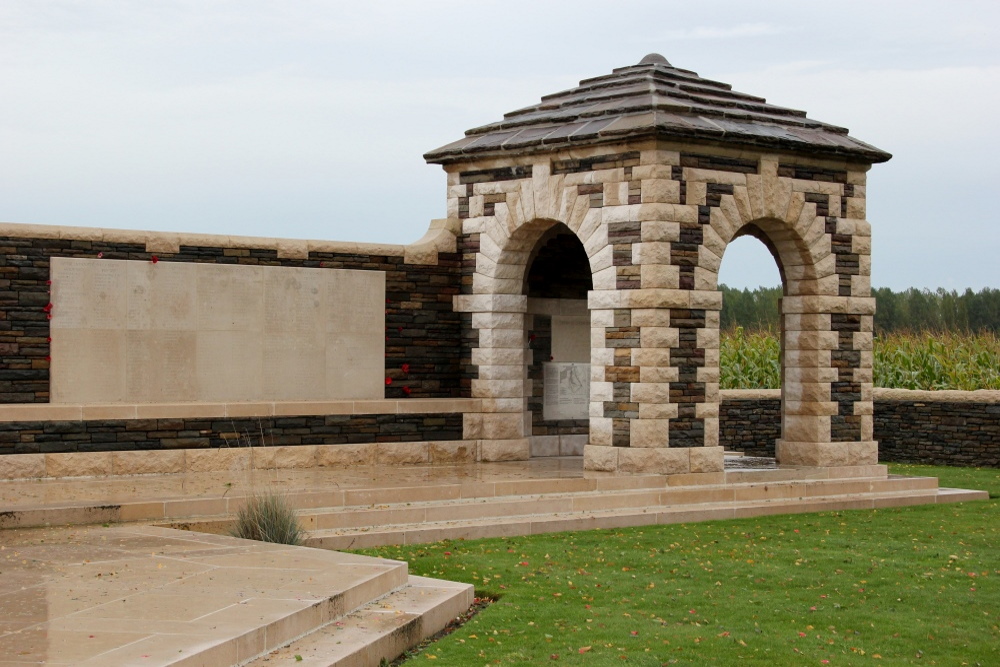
{"x":388,"y":381}
{"x":406,"y":390}
{"x":100,"y":255}
{"x":154,"y":259}
{"x":406,"y":368}
{"x":48,"y":308}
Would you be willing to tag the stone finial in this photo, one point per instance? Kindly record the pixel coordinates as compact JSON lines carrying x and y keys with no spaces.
{"x":655,"y":59}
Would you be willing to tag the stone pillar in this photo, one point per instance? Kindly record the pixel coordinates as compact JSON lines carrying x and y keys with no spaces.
{"x":501,"y":357}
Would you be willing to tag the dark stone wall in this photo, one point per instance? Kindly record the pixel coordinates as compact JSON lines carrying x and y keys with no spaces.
{"x":931,"y":432}
{"x":110,"y":435}
{"x":422,"y":329}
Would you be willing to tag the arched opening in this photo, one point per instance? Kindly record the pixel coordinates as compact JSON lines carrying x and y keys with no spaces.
{"x":557,"y":280}
{"x":751,"y":346}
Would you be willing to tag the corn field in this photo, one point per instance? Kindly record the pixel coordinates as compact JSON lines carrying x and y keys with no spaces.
{"x":750,"y":360}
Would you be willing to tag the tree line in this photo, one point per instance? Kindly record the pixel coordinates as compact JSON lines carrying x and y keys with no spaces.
{"x":909,"y":310}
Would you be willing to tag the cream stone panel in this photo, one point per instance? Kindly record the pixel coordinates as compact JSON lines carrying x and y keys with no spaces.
{"x":88,"y":366}
{"x":229,"y":300}
{"x":229,"y":365}
{"x":602,"y":458}
{"x":161,"y":296}
{"x":87,"y":294}
{"x":294,"y":365}
{"x":160,"y":366}
{"x":806,"y":428}
{"x":355,"y":366}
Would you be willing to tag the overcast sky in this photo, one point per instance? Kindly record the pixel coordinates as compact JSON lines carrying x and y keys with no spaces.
{"x":309,"y":119}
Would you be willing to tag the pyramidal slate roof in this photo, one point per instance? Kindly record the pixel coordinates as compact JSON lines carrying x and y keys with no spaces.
{"x":654,"y":99}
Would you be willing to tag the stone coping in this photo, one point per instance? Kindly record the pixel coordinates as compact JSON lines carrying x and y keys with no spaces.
{"x":440,"y":237}
{"x":15,"y":412}
{"x":880,"y":394}
{"x":235,"y":460}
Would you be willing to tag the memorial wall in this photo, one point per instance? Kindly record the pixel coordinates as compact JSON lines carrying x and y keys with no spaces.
{"x":144,"y":331}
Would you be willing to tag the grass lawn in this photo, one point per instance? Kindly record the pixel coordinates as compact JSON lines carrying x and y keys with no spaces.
{"x":914,"y":585}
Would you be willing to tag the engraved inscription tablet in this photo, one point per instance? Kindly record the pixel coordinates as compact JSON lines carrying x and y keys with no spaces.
{"x":566,"y":391}
{"x":134,"y":331}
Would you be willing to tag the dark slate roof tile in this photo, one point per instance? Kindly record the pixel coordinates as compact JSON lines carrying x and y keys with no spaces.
{"x":654,"y":99}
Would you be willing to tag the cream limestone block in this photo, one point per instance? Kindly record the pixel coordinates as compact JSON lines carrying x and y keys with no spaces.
{"x":667,"y":212}
{"x":616,"y":194}
{"x":597,"y":373}
{"x":865,"y":265}
{"x":827,"y":285}
{"x":712,"y":357}
{"x":648,"y":432}
{"x":705,"y":279}
{"x":712,"y":242}
{"x":713,"y":318}
{"x":707,"y":299}
{"x":867,"y":358}
{"x":457,"y":190}
{"x":657,"y":411}
{"x":815,"y":454}
{"x":401,"y":453}
{"x":767,"y":165}
{"x":658,"y":157}
{"x":499,"y":356}
{"x":828,"y":304}
{"x":566,"y":199}
{"x":707,"y":459}
{"x":582,"y":216}
{"x":863,"y":340}
{"x":489,"y":268}
{"x":619,"y":213}
{"x":659,"y":231}
{"x":292,"y":249}
{"x":862,"y":453}
{"x":295,"y":366}
{"x":501,"y":338}
{"x":854,"y":226}
{"x":812,"y":340}
{"x":526,"y":197}
{"x":794,"y":358}
{"x":503,"y":426}
{"x":606,"y":279}
{"x":343,"y":456}
{"x":452,"y":452}
{"x":501,"y":404}
{"x":22,"y":466}
{"x":707,"y":338}
{"x":454,"y":177}
{"x":602,"y":391}
{"x":858,"y":180}
{"x":709,"y":261}
{"x":593,"y":234}
{"x":490,"y":246}
{"x":78,"y":464}
{"x":658,"y":374}
{"x":651,"y":357}
{"x":497,"y":388}
{"x":88,"y":366}
{"x":861,"y":245}
{"x":647,"y":392}
{"x":861,"y":285}
{"x":696,"y":193}
{"x":572,"y":445}
{"x":597,"y":338}
{"x":727,"y":219}
{"x":818,"y":408}
{"x":820,"y":187}
{"x":660,"y":191}
{"x":501,"y":372}
{"x":867,"y":427}
{"x":663,"y":337}
{"x":496,"y":187}
{"x":234,"y":460}
{"x":651,"y":252}
{"x":777,"y":193}
{"x":451,"y":209}
{"x":595,"y":409}
{"x":864,"y":407}
{"x":604,"y":356}
{"x":600,"y":458}
{"x":229,"y":366}
{"x":472,"y":426}
{"x":659,"y":461}
{"x":856,"y":207}
{"x":229,"y":298}
{"x":600,"y":430}
{"x":474,"y":225}
{"x":755,"y":195}
{"x":87,"y":294}
{"x":659,"y":276}
{"x":712,"y":433}
{"x":865,"y":375}
{"x":650,"y":317}
{"x":826,"y":266}
{"x":708,"y":411}
{"x":602,"y":259}
{"x":806,"y":391}
{"x":161,"y":296}
{"x":484,"y":285}
{"x":707,"y":374}
{"x":604,"y":299}
{"x":509,"y":213}
{"x":480,"y":303}
{"x":277,"y":458}
{"x":807,"y":374}
{"x":807,"y":322}
{"x":505,"y":450}
{"x":742,"y":198}
{"x":645,"y":172}
{"x":806,"y":428}
{"x":796,"y":202}
{"x":602,"y":318}
{"x":491,"y":320}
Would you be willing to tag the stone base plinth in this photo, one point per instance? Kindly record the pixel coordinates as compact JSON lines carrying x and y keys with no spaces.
{"x":518,"y":449}
{"x":826,"y":454}
{"x":653,"y":460}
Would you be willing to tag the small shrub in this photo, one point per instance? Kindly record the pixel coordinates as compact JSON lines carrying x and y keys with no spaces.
{"x":267,"y":517}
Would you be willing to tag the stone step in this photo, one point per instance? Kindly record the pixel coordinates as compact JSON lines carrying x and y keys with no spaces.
{"x":382,"y":629}
{"x":906,"y":492}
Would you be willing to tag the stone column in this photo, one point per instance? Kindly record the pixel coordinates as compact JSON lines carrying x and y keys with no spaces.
{"x":501,"y":358}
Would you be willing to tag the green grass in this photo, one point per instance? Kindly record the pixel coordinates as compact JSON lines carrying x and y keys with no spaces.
{"x":917,"y":585}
